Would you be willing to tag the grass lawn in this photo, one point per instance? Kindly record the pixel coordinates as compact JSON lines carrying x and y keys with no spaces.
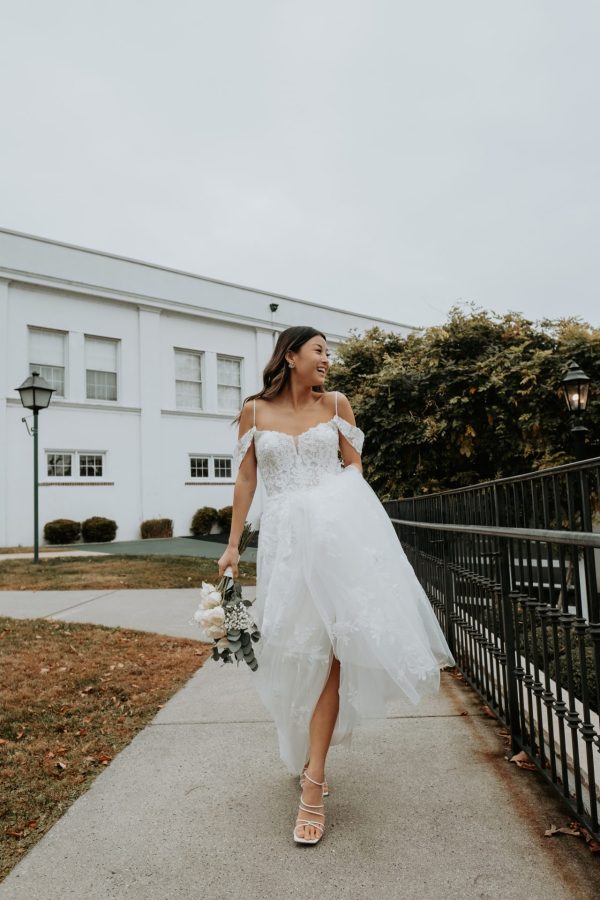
{"x":49,"y":549}
{"x":71,"y":697}
{"x":78,"y":573}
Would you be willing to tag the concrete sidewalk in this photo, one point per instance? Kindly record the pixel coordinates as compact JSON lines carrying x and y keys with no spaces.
{"x":164,"y":611}
{"x":424,"y":805}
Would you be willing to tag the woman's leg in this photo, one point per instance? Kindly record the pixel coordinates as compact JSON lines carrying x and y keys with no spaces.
{"x":322,"y":724}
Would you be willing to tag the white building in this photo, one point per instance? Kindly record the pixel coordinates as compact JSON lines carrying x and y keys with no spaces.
{"x":149,"y":364}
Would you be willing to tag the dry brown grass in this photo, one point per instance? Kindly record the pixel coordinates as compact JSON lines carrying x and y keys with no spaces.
{"x":44,"y":549}
{"x":78,"y":573}
{"x":71,"y":697}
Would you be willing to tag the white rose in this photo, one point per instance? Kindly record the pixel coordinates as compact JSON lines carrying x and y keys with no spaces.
{"x":211,"y":621}
{"x":209,"y":598}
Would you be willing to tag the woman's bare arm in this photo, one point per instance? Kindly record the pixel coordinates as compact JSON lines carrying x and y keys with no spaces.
{"x":243,"y":494}
{"x":350,"y":456}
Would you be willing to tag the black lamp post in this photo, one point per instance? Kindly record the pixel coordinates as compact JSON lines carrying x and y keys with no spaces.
{"x":35,"y":395}
{"x":575,"y":385}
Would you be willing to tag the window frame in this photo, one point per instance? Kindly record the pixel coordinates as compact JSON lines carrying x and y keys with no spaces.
{"x":233,"y":358}
{"x":75,"y":465}
{"x":107,"y":340}
{"x":201,"y":356}
{"x":211,"y":478}
{"x":38,"y":366}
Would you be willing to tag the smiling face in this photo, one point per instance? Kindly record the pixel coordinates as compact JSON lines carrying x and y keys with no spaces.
{"x":311,"y":363}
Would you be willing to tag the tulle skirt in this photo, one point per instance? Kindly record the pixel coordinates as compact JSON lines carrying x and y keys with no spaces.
{"x":333,"y":580}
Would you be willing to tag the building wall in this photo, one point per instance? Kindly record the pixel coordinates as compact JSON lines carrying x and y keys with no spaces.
{"x":145,"y":438}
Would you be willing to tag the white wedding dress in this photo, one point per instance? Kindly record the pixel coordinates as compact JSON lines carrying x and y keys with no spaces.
{"x":333,"y":579}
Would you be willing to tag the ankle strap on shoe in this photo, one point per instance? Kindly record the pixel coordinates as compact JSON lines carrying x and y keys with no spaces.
{"x":319,"y":783}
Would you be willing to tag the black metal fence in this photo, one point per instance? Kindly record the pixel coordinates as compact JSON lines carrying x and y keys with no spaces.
{"x":512,"y":569}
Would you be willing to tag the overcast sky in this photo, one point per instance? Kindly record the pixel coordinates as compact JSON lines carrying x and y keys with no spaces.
{"x":383,"y":156}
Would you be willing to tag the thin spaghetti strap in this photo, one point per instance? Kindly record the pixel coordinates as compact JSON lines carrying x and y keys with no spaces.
{"x":254,"y":423}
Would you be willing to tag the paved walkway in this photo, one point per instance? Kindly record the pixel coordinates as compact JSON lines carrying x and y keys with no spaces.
{"x":424,"y":805}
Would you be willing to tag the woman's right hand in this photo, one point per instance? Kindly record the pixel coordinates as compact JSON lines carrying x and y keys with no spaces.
{"x":230,"y":557}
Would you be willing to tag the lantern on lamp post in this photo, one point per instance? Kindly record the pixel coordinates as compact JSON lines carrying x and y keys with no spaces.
{"x":35,"y":394}
{"x":575,"y":386}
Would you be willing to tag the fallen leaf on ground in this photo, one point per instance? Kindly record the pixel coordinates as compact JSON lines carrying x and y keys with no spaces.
{"x":564,"y":829}
{"x":522,"y":761}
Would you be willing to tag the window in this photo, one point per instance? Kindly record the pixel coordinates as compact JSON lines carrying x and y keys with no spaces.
{"x":188,"y":379}
{"x":47,"y":356}
{"x":59,"y":465}
{"x":101,"y":368}
{"x":222,"y":467}
{"x":199,"y":466}
{"x":90,"y":465}
{"x":229,"y":390}
{"x":74,"y":464}
{"x":210,"y":467}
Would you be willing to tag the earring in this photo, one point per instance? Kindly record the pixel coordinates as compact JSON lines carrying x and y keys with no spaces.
{"x":291,"y":365}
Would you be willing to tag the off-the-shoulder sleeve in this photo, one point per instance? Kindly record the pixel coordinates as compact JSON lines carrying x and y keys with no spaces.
{"x":242,"y":445}
{"x":352,"y":432}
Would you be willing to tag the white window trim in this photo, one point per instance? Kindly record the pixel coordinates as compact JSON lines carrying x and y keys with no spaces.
{"x":211,"y":468}
{"x":30,"y":363}
{"x":98,"y":401}
{"x":201,"y":354}
{"x":239,"y":359}
{"x":75,"y":454}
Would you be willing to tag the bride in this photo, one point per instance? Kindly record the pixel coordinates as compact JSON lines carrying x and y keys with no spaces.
{"x":345,"y":625}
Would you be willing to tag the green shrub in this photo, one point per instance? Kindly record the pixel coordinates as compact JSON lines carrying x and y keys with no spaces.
{"x":203,"y":520}
{"x":97,"y":529}
{"x":157,"y":528}
{"x":224,"y":518}
{"x":62,"y":531}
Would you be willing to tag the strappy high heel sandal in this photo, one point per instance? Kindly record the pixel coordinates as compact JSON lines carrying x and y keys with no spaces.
{"x":313,"y":810}
{"x":325,"y":785}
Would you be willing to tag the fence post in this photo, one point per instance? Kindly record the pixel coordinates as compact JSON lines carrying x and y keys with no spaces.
{"x":449,"y":600}
{"x":510,"y":650}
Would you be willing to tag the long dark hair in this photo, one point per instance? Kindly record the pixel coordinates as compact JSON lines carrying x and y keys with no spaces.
{"x":276,"y":373}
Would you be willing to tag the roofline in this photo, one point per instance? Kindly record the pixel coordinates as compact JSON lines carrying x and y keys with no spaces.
{"x":242,"y":287}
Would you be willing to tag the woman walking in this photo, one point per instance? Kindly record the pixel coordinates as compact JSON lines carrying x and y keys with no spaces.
{"x":345,"y":625}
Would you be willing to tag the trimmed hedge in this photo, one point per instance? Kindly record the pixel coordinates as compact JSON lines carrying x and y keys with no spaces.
{"x":224,"y":518}
{"x":203,"y":520}
{"x":157,"y":528}
{"x":62,"y":531}
{"x":97,"y":529}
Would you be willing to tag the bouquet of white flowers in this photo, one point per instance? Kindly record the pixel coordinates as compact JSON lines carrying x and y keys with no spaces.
{"x":224,"y":619}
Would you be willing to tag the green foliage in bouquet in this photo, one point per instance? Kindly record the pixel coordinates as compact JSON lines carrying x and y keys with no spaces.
{"x":224,"y":617}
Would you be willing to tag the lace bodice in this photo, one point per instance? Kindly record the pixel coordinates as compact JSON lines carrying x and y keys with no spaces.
{"x":289,"y":462}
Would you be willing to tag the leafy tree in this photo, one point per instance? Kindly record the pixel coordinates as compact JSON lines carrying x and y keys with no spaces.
{"x":476,"y":398}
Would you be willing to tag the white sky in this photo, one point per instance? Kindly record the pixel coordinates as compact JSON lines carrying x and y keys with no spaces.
{"x":384,"y":156}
